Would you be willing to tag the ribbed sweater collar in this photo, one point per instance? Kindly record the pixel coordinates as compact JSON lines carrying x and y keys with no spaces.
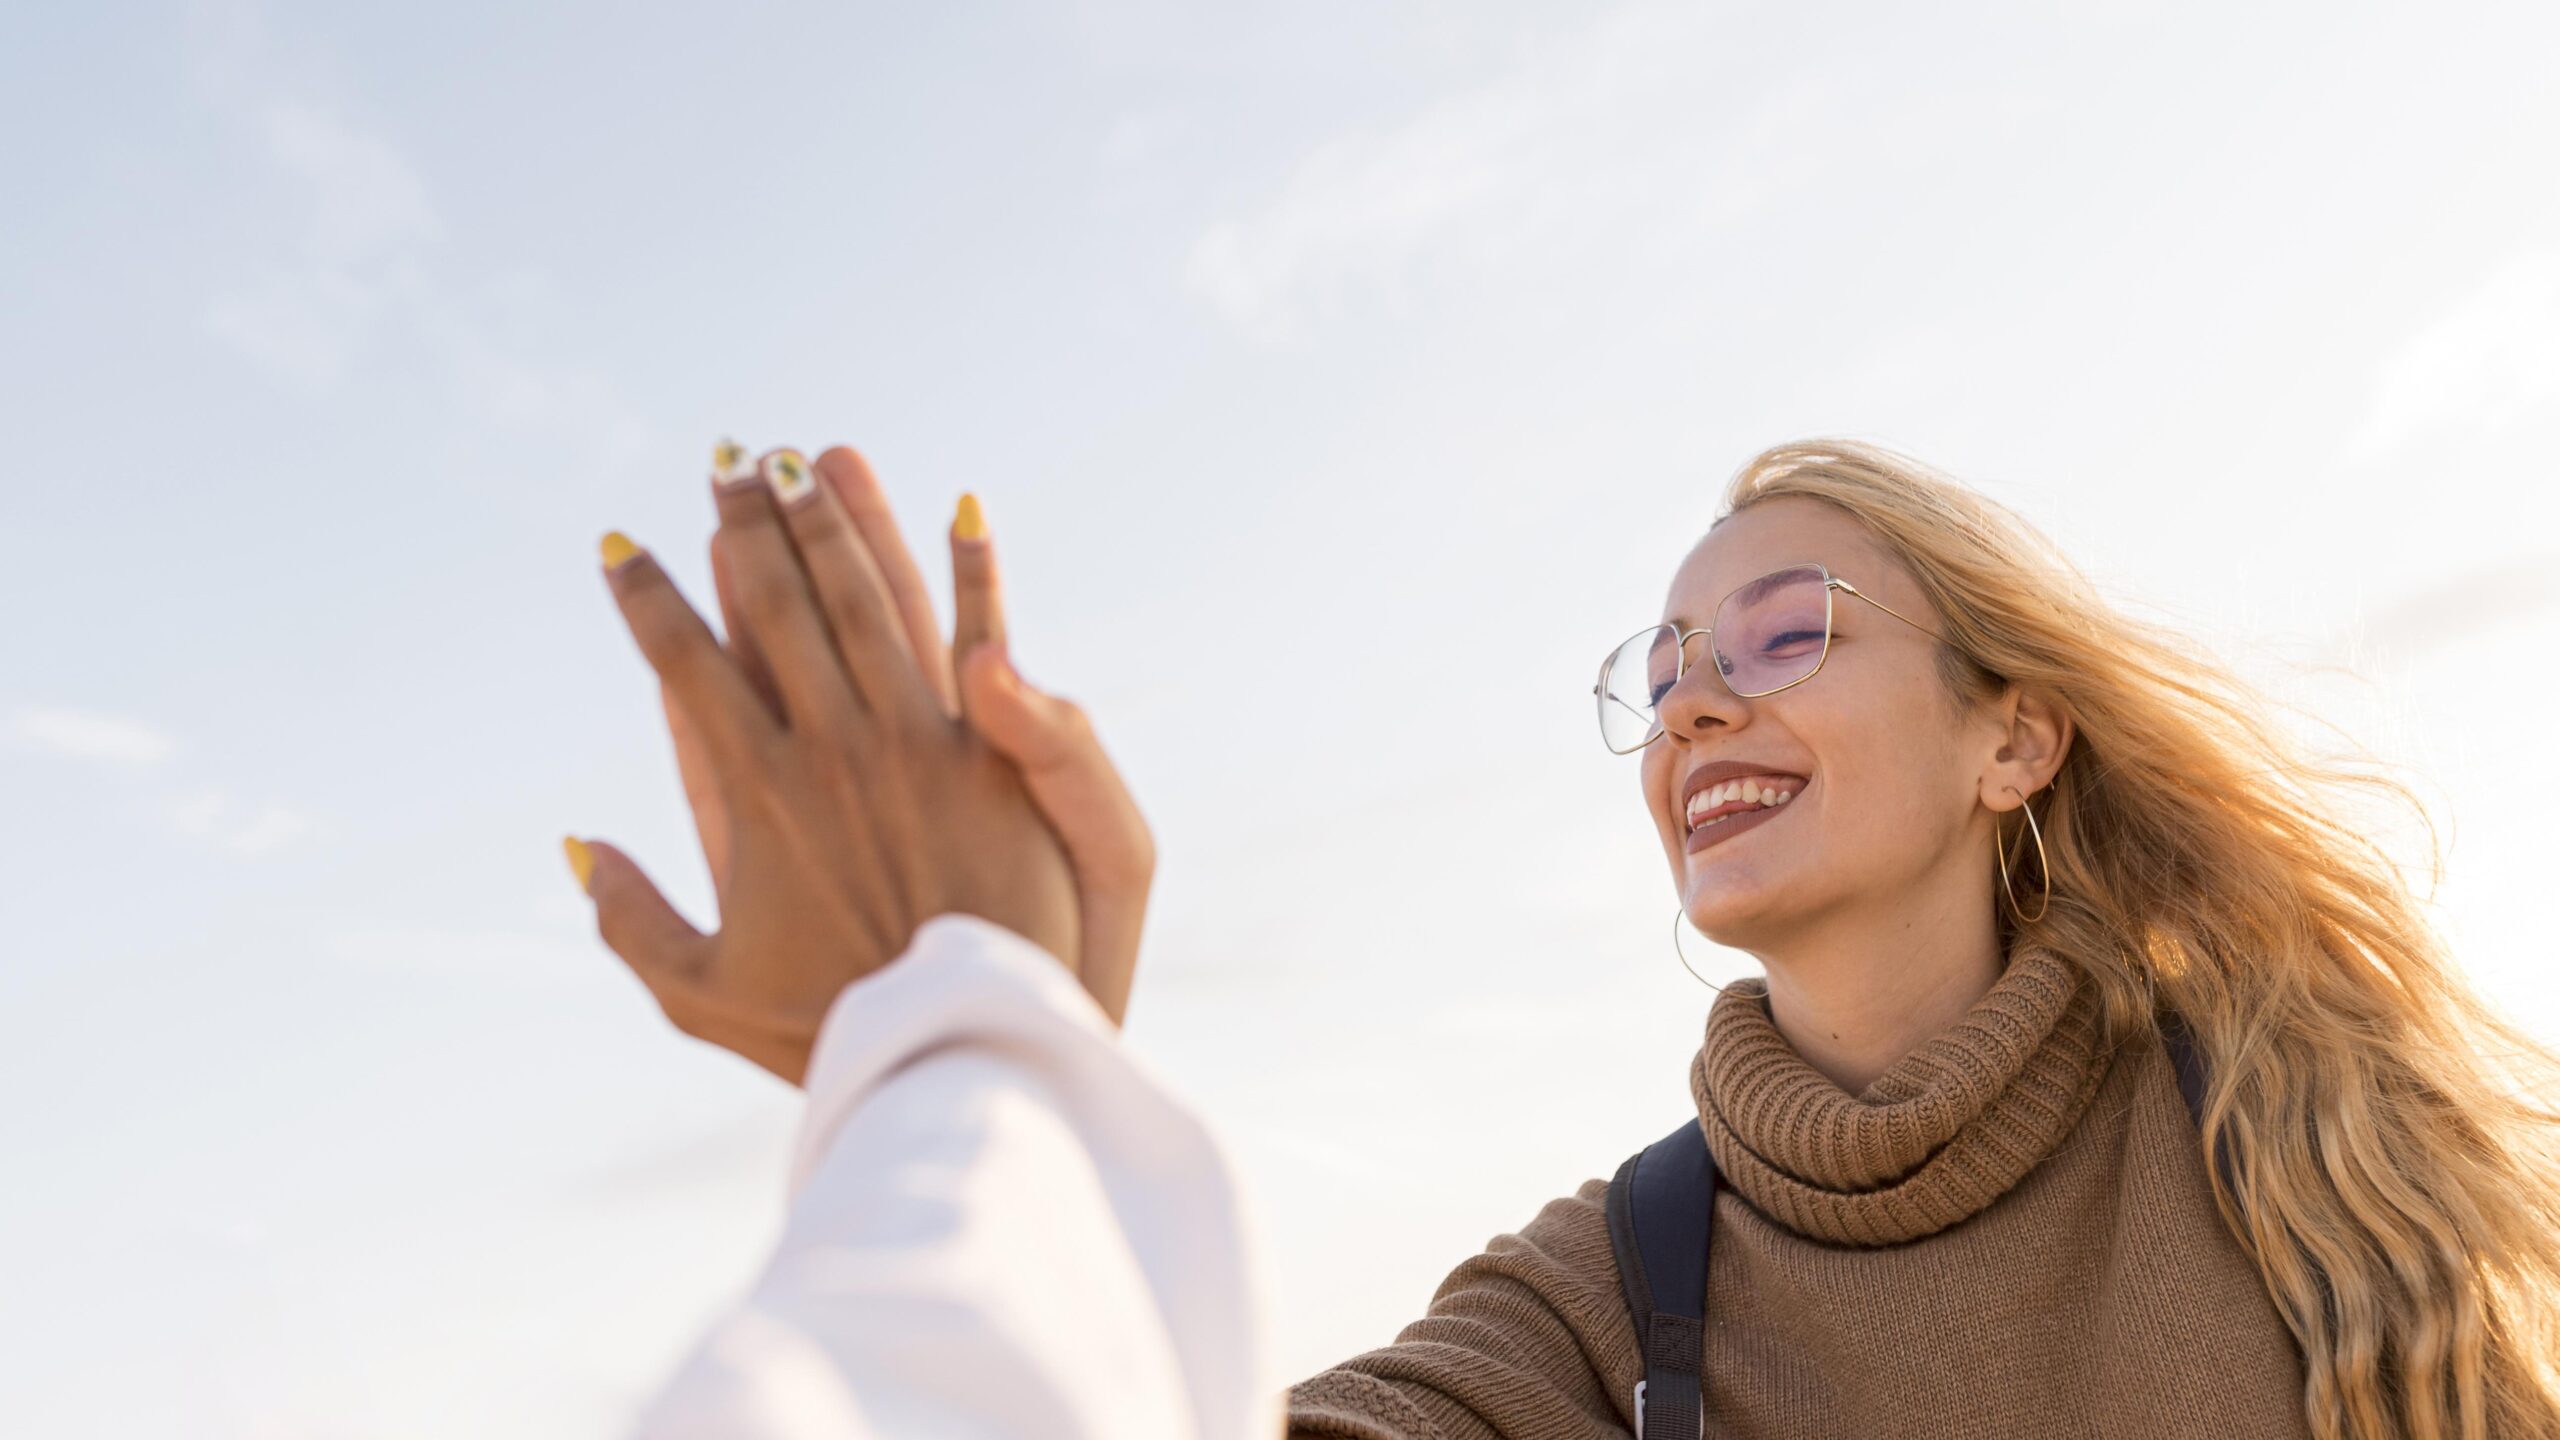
{"x":1937,"y":1138}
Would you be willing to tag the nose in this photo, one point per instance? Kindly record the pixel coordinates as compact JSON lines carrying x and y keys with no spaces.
{"x":1698,"y":701}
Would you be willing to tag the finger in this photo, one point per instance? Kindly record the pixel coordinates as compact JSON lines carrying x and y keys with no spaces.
{"x":701,"y":791}
{"x":1052,"y":743}
{"x":1112,"y":921}
{"x":858,"y":491}
{"x":1080,"y":793}
{"x":849,"y":591}
{"x":977,"y":599}
{"x":775,"y":604}
{"x":705,"y":680}
{"x":741,"y":641}
{"x":662,"y":947}
{"x":730,"y":464}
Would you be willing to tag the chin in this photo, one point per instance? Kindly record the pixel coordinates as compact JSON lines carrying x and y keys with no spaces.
{"x":1736,"y":916}
{"x":1731,"y":919}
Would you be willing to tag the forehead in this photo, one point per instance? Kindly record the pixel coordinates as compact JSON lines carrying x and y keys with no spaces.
{"x":1789,"y":530}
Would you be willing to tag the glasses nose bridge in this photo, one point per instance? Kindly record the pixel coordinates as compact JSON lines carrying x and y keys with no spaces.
{"x":1680,"y":647}
{"x":1717,"y":693}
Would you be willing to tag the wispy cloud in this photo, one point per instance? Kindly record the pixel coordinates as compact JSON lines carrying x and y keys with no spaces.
{"x":2491,"y":361}
{"x":205,"y":813}
{"x":361,"y":267}
{"x":1602,"y":136}
{"x":88,"y":735}
{"x":2451,"y":612}
{"x":247,"y":830}
{"x":360,"y":249}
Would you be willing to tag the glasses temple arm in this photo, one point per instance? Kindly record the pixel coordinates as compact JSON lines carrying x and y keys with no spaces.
{"x":1889,"y":610}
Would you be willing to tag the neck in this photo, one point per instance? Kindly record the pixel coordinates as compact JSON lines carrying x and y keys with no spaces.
{"x":1863,"y":988}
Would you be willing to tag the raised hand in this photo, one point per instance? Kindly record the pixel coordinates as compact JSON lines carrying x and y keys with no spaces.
{"x":1069,"y":776}
{"x":852,"y":805}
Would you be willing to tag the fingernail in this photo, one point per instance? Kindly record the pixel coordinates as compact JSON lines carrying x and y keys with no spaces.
{"x":582,"y":861}
{"x":787,"y":471}
{"x":969,"y":522}
{"x":616,"y":548}
{"x":730,"y":463}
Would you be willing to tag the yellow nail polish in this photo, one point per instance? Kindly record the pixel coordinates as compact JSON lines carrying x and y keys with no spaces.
{"x":617,"y":547}
{"x":582,"y":861}
{"x":970,"y":523}
{"x":787,"y":471}
{"x":730,"y":462}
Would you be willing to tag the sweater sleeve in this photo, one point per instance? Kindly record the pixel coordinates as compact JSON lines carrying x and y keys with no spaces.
{"x":1528,"y":1339}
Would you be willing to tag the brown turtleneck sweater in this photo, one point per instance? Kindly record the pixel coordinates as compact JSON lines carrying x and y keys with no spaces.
{"x":2009,"y":1234}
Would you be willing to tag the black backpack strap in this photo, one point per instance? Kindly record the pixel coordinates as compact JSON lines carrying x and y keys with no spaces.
{"x":1662,"y":1207}
{"x":2180,"y":1041}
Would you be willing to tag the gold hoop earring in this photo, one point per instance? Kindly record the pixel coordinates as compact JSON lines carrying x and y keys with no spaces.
{"x":2000,"y":853}
{"x":1676,"y":917}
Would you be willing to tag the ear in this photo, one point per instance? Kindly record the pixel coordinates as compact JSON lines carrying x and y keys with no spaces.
{"x":2035,"y":733}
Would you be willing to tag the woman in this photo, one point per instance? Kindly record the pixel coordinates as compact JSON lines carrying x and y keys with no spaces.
{"x":1963,"y":1195}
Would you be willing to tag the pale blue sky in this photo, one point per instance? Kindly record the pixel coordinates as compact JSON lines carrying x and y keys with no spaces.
{"x":1340,"y":378}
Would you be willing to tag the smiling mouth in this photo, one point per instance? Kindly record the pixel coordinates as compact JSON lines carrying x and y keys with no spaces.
{"x":1717,"y":804}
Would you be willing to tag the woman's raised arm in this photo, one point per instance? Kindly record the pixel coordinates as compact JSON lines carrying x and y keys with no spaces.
{"x":1002,"y":1225}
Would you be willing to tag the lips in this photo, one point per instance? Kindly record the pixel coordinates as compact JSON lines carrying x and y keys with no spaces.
{"x":1725,"y":788}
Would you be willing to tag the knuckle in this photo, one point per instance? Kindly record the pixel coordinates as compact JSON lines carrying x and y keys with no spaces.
{"x":1130,"y":866}
{"x":819,"y":523}
{"x":1074,"y":726}
{"x":761,"y":592}
{"x":766,"y":752}
{"x":684,"y":666}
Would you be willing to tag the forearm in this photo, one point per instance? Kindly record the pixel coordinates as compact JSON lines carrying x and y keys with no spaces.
{"x":1002,"y":1225}
{"x":1527,"y":1339}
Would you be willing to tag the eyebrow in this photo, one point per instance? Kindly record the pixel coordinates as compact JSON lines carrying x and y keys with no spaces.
{"x":1767,"y":583}
{"x":1757,"y":588}
{"x":1772,"y":580}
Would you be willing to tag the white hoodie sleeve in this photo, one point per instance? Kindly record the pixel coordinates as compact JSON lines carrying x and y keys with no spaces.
{"x":1001,"y":1225}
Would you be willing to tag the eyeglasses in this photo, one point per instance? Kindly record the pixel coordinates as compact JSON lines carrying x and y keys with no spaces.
{"x":1768,"y":635}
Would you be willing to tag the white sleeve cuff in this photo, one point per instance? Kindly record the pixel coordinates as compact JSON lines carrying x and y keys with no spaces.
{"x":960,"y":978}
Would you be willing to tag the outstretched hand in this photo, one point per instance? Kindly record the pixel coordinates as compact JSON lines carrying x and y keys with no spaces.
{"x":851,"y":803}
{"x":1079,"y":791}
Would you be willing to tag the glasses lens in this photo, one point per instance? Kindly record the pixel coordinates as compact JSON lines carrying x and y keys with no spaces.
{"x":1633,"y":679}
{"x":1771,"y":633}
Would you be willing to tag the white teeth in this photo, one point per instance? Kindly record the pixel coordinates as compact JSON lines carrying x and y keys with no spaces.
{"x":1748,"y":792}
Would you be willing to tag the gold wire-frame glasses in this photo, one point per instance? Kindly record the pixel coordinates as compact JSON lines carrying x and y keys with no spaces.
{"x":1620,"y":709}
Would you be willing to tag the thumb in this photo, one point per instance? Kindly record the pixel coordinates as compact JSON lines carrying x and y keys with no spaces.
{"x":1033,"y":729}
{"x":1071,"y":780}
{"x":637,"y":923}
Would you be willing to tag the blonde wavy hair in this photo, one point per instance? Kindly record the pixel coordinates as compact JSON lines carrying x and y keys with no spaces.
{"x":2392,"y":1166}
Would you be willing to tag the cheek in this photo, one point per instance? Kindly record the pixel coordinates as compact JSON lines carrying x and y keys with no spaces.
{"x":1891,"y":772}
{"x":1657,"y":786}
